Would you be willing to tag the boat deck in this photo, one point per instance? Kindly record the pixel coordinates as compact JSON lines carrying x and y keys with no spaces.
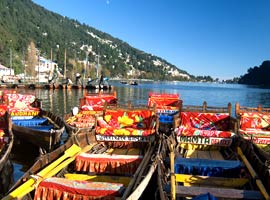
{"x":211,"y":155}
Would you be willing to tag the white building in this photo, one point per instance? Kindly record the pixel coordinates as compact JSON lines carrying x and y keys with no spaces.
{"x":6,"y":74}
{"x":46,"y":69}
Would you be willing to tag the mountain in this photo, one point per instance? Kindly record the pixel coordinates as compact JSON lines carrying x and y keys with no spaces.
{"x":22,"y":22}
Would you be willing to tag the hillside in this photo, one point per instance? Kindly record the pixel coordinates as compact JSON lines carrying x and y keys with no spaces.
{"x":22,"y":21}
{"x":257,"y":75}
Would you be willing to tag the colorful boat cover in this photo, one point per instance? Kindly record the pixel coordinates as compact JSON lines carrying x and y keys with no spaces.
{"x":164,"y":102}
{"x":204,"y":125}
{"x":20,"y":104}
{"x":255,"y":126}
{"x":127,"y":123}
{"x":167,"y":105}
{"x":104,"y":163}
{"x":204,"y":129}
{"x":60,"y":188}
{"x":97,"y":102}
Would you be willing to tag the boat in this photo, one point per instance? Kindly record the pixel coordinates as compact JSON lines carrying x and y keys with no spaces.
{"x":168,"y":106}
{"x":253,"y":123}
{"x":99,"y":165}
{"x":124,"y":82}
{"x":6,"y":144}
{"x":205,"y":157}
{"x":83,"y":118}
{"x":33,"y":124}
{"x":133,"y":83}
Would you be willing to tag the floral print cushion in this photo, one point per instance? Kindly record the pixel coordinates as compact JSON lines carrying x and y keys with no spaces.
{"x":164,"y":101}
{"x":97,"y":102}
{"x":120,"y":122}
{"x":254,"y":121}
{"x":205,"y":124}
{"x":20,"y":104}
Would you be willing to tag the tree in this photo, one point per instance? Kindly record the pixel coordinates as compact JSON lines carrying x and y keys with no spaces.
{"x":31,"y":59}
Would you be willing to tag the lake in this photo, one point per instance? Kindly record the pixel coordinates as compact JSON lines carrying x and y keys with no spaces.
{"x":62,"y":101}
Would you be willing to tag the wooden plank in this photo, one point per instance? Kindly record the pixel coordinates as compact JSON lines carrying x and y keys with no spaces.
{"x":216,"y":155}
{"x":211,"y":181}
{"x":204,"y":154}
{"x":182,"y":191}
{"x":120,"y":151}
{"x":133,"y":151}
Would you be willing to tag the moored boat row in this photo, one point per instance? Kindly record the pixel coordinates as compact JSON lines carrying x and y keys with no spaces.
{"x":55,"y":86}
{"x":115,"y":160}
{"x":206,"y":158}
{"x":114,"y":151}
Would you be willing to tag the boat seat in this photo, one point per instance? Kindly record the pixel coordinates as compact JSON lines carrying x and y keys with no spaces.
{"x":255,"y":126}
{"x":30,"y":122}
{"x":206,"y":167}
{"x":182,"y":191}
{"x":204,"y":125}
{"x":108,"y":164}
{"x":123,"y":122}
{"x":73,"y":189}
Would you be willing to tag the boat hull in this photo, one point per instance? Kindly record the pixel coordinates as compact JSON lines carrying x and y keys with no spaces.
{"x":45,"y":139}
{"x":6,"y":166}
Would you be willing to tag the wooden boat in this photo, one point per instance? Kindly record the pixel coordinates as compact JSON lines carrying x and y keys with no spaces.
{"x":83,"y":119}
{"x":96,"y":166}
{"x":30,"y":122}
{"x":204,"y":156}
{"x":133,"y":83}
{"x":168,"y":106}
{"x":6,"y":144}
{"x":253,"y":123}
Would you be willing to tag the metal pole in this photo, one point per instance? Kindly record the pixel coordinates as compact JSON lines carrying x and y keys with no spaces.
{"x":10,"y":60}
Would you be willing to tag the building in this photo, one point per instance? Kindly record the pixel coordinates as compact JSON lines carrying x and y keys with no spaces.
{"x":47,"y":70}
{"x":6,"y":74}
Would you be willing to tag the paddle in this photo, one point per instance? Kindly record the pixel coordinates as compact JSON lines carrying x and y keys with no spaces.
{"x":253,"y":174}
{"x":30,"y":184}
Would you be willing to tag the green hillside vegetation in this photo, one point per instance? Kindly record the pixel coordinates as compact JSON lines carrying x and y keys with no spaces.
{"x":23,"y":22}
{"x":257,"y":75}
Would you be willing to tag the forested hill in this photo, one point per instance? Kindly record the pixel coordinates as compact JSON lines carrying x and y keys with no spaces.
{"x":257,"y":75}
{"x":22,"y":21}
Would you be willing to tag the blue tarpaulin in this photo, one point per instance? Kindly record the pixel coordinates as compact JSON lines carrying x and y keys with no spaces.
{"x":206,"y":167}
{"x":29,"y":122}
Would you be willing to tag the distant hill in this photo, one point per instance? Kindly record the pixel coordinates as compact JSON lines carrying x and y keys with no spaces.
{"x":22,"y":21}
{"x":257,"y":75}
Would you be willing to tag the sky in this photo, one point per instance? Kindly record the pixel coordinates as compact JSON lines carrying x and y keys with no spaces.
{"x":219,"y":38}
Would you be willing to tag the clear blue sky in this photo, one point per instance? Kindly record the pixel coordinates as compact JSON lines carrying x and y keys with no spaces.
{"x":220,"y":38}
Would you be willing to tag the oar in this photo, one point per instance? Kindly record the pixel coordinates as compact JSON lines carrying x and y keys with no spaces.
{"x":253,"y":174}
{"x":30,"y":184}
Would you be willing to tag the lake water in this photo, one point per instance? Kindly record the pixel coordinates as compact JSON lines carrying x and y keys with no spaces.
{"x":61,"y":101}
